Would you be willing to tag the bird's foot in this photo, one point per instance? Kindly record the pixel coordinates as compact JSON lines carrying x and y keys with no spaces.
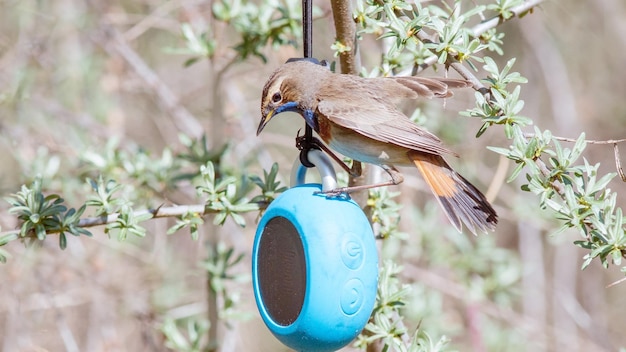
{"x":345,"y":191}
{"x":341,"y":192}
{"x":302,"y":142}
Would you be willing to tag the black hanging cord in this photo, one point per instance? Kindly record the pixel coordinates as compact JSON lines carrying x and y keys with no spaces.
{"x":307,"y":26}
{"x":307,"y":44}
{"x":307,"y":142}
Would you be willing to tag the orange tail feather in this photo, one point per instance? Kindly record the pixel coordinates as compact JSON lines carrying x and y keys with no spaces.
{"x":461,"y":201}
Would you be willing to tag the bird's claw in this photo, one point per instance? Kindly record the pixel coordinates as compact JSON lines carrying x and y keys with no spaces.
{"x":303,"y":142}
{"x":299,"y":140}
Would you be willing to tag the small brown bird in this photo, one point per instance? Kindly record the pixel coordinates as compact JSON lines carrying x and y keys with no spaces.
{"x":358,"y":118}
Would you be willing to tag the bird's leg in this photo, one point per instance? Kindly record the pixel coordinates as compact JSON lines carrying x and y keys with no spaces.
{"x":356,"y":170}
{"x":316,"y":143}
{"x":396,"y":179}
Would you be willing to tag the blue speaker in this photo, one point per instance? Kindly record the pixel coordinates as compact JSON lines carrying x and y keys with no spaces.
{"x":314,"y":264}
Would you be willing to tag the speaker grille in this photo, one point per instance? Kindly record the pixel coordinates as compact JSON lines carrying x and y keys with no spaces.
{"x":281,"y":270}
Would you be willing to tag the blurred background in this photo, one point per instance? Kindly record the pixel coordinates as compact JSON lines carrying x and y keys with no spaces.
{"x":81,"y":78}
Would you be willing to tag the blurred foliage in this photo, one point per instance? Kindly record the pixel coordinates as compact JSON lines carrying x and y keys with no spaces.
{"x":222,"y":192}
{"x":189,"y":340}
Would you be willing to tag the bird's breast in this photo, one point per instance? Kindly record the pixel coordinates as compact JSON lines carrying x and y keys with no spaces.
{"x":359,"y":147}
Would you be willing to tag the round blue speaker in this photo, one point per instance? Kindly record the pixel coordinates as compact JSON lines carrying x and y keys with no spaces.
{"x":315,"y":269}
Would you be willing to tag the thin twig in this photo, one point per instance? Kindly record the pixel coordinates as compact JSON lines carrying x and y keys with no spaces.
{"x":152,"y":19}
{"x":517,"y":11}
{"x":557,"y":186}
{"x":618,"y":163}
{"x":573,"y":140}
{"x":616,"y":282}
{"x":456,"y":65}
{"x":468,"y":75}
{"x":160,"y":212}
{"x":498,"y":179}
{"x":615,"y":142}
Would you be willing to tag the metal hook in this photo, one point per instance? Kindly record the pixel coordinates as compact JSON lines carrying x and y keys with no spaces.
{"x":323,"y":165}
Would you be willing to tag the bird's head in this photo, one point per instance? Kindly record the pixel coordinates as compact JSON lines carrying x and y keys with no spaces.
{"x":291,"y":87}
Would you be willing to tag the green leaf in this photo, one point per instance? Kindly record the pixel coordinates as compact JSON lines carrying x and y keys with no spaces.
{"x":40,"y":230}
{"x":516,"y":171}
{"x":482,"y":129}
{"x":501,"y":151}
{"x":531,"y":148}
{"x":62,"y":241}
{"x":616,"y":255}
{"x":8,"y":238}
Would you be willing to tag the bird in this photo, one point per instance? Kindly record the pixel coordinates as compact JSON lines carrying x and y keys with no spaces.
{"x":359,"y":117}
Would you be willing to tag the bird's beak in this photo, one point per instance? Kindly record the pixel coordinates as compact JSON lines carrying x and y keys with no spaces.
{"x":267,"y":116}
{"x":264,"y":120}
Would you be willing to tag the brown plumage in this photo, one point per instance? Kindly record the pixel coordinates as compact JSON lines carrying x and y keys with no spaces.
{"x":358,"y":118}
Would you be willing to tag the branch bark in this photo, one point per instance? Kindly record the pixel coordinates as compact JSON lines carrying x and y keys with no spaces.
{"x":161,"y":212}
{"x":345,"y":28}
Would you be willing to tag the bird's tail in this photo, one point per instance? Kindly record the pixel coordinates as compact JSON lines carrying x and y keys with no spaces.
{"x":461,"y":201}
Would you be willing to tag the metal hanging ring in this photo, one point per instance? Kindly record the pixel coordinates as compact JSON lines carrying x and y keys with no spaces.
{"x":323,"y":165}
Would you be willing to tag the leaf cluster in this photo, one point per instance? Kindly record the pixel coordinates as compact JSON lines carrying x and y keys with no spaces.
{"x":574,"y":191}
{"x":418,"y":36}
{"x":40,"y":214}
{"x":501,"y":107}
{"x":186,"y":338}
{"x":224,"y":193}
{"x":384,"y":211}
{"x":386,"y":325}
{"x":220,"y":268}
{"x":257,"y":25}
{"x":419,"y":33}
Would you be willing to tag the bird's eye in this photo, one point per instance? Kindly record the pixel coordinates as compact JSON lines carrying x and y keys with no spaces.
{"x":276,"y":97}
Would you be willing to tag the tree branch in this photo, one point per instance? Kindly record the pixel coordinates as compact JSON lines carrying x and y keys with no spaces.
{"x":557,"y":186}
{"x":350,"y":61}
{"x":614,"y":142}
{"x":345,"y":29}
{"x":160,"y":212}
{"x":518,"y":11}
{"x":573,"y":140}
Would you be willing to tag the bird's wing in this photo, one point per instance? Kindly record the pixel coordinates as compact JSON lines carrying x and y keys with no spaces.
{"x":382,"y":122}
{"x":425,"y":87}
